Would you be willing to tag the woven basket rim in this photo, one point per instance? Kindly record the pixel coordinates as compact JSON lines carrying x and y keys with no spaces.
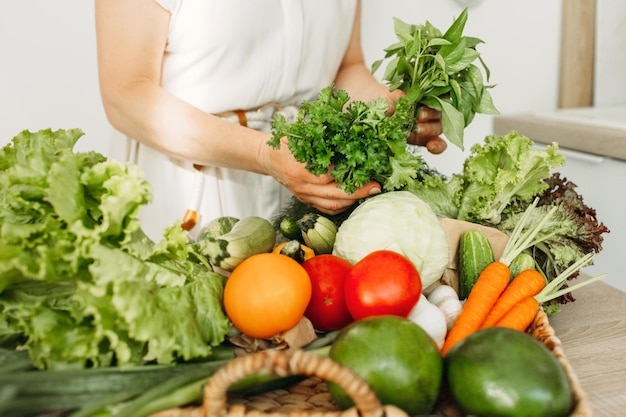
{"x":310,"y":398}
{"x":541,"y":330}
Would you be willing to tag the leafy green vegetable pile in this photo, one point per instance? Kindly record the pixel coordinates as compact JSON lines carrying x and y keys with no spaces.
{"x":361,"y":143}
{"x":80,"y":283}
{"x":499,"y":180}
{"x":498,"y":171}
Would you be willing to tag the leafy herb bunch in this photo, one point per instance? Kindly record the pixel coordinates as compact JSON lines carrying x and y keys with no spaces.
{"x":361,"y":143}
{"x":437,"y":70}
{"x":357,"y":142}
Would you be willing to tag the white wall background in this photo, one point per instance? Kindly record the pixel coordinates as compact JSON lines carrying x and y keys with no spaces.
{"x":48,"y":75}
{"x":521,"y":50}
{"x":610,"y":68}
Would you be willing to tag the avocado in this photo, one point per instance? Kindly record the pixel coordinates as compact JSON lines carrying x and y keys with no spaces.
{"x":396,"y":357}
{"x":499,"y":371}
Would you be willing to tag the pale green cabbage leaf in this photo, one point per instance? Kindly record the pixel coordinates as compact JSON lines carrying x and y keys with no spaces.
{"x":397,"y":221}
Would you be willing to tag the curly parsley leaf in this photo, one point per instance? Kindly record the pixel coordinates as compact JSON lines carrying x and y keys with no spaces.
{"x":356,"y":145}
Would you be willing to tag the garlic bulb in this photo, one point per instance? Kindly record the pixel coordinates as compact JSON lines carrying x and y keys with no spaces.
{"x":431,"y":319}
{"x":447,"y":300}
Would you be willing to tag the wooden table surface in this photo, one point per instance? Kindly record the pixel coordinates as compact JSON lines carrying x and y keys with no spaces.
{"x":592,"y":330}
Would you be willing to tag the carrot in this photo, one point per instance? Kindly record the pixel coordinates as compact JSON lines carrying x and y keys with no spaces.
{"x":521,"y":315}
{"x":526,"y":284}
{"x":490,"y":284}
{"x":522,"y":312}
{"x":494,"y":279}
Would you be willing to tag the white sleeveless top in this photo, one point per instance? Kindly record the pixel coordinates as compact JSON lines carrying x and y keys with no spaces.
{"x":224,"y":55}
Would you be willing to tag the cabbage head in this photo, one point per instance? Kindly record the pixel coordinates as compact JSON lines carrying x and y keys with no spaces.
{"x":398,"y":221}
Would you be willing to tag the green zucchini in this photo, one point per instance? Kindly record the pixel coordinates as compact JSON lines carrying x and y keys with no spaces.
{"x":290,"y":229}
{"x":217,"y":227}
{"x":36,"y":392}
{"x":293,"y":249}
{"x":249,"y":236}
{"x":475,"y":253}
{"x":131,"y":392}
{"x":318,"y":232}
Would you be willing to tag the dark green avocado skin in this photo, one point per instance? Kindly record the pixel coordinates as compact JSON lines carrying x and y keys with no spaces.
{"x":396,"y":357}
{"x":503,"y":372}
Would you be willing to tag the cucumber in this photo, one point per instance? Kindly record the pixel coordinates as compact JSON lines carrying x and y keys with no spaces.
{"x":475,"y":253}
{"x":290,"y":229}
{"x":520,"y":263}
{"x":249,"y":236}
{"x":140,"y":391}
{"x":263,"y":381}
{"x":528,"y":380}
{"x":36,"y":392}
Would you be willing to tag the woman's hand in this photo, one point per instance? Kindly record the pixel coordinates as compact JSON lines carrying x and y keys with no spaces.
{"x":320,"y":192}
{"x":428,"y":129}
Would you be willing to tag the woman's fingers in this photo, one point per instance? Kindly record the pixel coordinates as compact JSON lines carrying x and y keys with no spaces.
{"x":436,"y":145}
{"x":428,"y":131}
{"x":428,"y":123}
{"x":322,"y":192}
{"x":427,"y":114}
{"x":328,"y":198}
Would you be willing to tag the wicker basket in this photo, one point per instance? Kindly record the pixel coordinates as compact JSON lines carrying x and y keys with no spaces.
{"x":311,"y":398}
{"x":541,"y":330}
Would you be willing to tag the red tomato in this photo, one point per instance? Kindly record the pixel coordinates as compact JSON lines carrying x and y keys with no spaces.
{"x":382,"y":283}
{"x":327,"y":308}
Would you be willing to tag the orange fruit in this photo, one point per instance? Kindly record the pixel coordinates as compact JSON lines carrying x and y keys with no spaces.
{"x":266,"y":294}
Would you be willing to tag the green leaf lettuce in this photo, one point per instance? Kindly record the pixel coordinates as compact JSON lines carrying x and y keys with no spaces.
{"x":499,"y":172}
{"x":80,"y":283}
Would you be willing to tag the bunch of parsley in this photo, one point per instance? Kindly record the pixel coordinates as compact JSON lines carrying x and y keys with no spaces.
{"x":361,"y":143}
{"x":438,"y":71}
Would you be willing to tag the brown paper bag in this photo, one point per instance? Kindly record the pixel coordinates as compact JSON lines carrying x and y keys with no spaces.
{"x":454,"y":229}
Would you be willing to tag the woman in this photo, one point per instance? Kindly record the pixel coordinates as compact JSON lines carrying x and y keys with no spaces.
{"x":195,"y":84}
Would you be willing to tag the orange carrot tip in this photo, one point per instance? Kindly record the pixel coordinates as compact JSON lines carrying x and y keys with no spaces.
{"x":521,"y":315}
